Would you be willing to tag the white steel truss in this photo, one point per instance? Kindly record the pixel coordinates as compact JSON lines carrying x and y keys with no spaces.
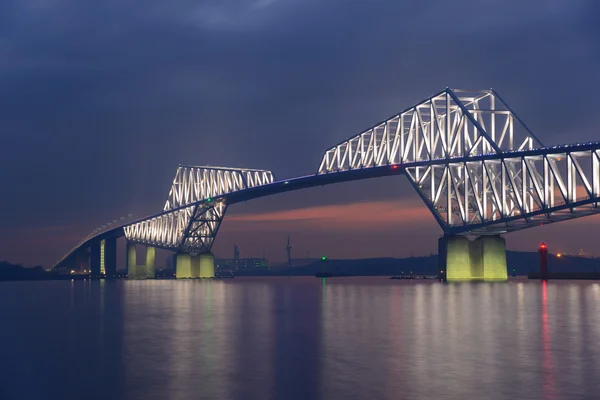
{"x":195,"y":208}
{"x":452,"y":123}
{"x":165,"y":230}
{"x":495,"y":194}
{"x":192,"y":184}
{"x":203,"y":227}
{"x":476,"y":164}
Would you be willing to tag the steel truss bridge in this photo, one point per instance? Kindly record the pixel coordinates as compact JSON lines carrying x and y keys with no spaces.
{"x":474,"y":163}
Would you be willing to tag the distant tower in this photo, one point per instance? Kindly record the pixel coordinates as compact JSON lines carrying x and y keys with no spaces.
{"x":236,"y":255}
{"x":288,"y":249}
{"x":543,"y":250}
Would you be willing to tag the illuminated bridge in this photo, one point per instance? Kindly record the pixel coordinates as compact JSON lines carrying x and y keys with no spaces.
{"x":474,"y":163}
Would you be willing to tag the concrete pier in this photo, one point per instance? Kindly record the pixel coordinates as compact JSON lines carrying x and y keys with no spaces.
{"x":146,"y":271}
{"x":150,"y":262}
{"x":493,"y":258}
{"x":206,"y":264}
{"x":481,"y":259}
{"x":103,"y":257}
{"x":131,"y":261}
{"x":183,"y":266}
{"x":195,"y":266}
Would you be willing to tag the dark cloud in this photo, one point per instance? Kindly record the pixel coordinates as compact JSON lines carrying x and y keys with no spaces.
{"x":99,"y":101}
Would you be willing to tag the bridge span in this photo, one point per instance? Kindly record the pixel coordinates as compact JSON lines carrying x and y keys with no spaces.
{"x":477,"y":167}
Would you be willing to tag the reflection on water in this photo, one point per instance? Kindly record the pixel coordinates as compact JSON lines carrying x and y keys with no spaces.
{"x":547,"y":367}
{"x":299,"y":338}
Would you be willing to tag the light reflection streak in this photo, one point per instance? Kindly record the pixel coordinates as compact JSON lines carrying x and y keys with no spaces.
{"x":547,"y":362}
{"x":207,"y":344}
{"x":323,"y":350}
{"x":396,"y":340}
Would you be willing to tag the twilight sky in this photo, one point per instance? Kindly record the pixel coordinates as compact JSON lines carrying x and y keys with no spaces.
{"x":101,"y":100}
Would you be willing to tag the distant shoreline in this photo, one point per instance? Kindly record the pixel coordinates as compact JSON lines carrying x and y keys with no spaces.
{"x":519,"y":264}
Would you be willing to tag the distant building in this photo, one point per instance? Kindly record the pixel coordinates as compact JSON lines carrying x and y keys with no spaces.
{"x":240,"y":263}
{"x":236,"y":252}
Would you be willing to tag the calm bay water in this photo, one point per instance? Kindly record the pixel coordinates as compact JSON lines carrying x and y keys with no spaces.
{"x":299,"y":338}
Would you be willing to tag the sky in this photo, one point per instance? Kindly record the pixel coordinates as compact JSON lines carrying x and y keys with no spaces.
{"x":101,"y":100}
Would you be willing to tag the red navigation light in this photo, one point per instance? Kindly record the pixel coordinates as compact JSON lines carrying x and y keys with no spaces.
{"x":394,"y":167}
{"x":542,"y":246}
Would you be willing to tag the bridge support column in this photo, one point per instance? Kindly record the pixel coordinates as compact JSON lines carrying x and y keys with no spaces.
{"x":454,"y":257}
{"x":481,"y":259}
{"x":203,"y":265}
{"x":95,"y":258}
{"x":131,"y":261}
{"x":102,"y":258}
{"x":493,"y":258}
{"x":110,"y":257}
{"x":183,"y":266}
{"x":135,"y":271}
{"x":150,"y":262}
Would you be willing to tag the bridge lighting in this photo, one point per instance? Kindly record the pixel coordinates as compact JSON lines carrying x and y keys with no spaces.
{"x":446,"y":176}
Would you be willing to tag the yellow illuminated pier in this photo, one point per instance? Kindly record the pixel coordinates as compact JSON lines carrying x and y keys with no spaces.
{"x":482,"y":259}
{"x":135,"y":271}
{"x":195,"y":266}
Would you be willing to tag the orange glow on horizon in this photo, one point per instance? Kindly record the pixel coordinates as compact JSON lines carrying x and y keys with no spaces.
{"x":367,"y":215}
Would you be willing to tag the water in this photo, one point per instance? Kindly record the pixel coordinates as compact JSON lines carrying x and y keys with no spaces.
{"x":299,"y":338}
